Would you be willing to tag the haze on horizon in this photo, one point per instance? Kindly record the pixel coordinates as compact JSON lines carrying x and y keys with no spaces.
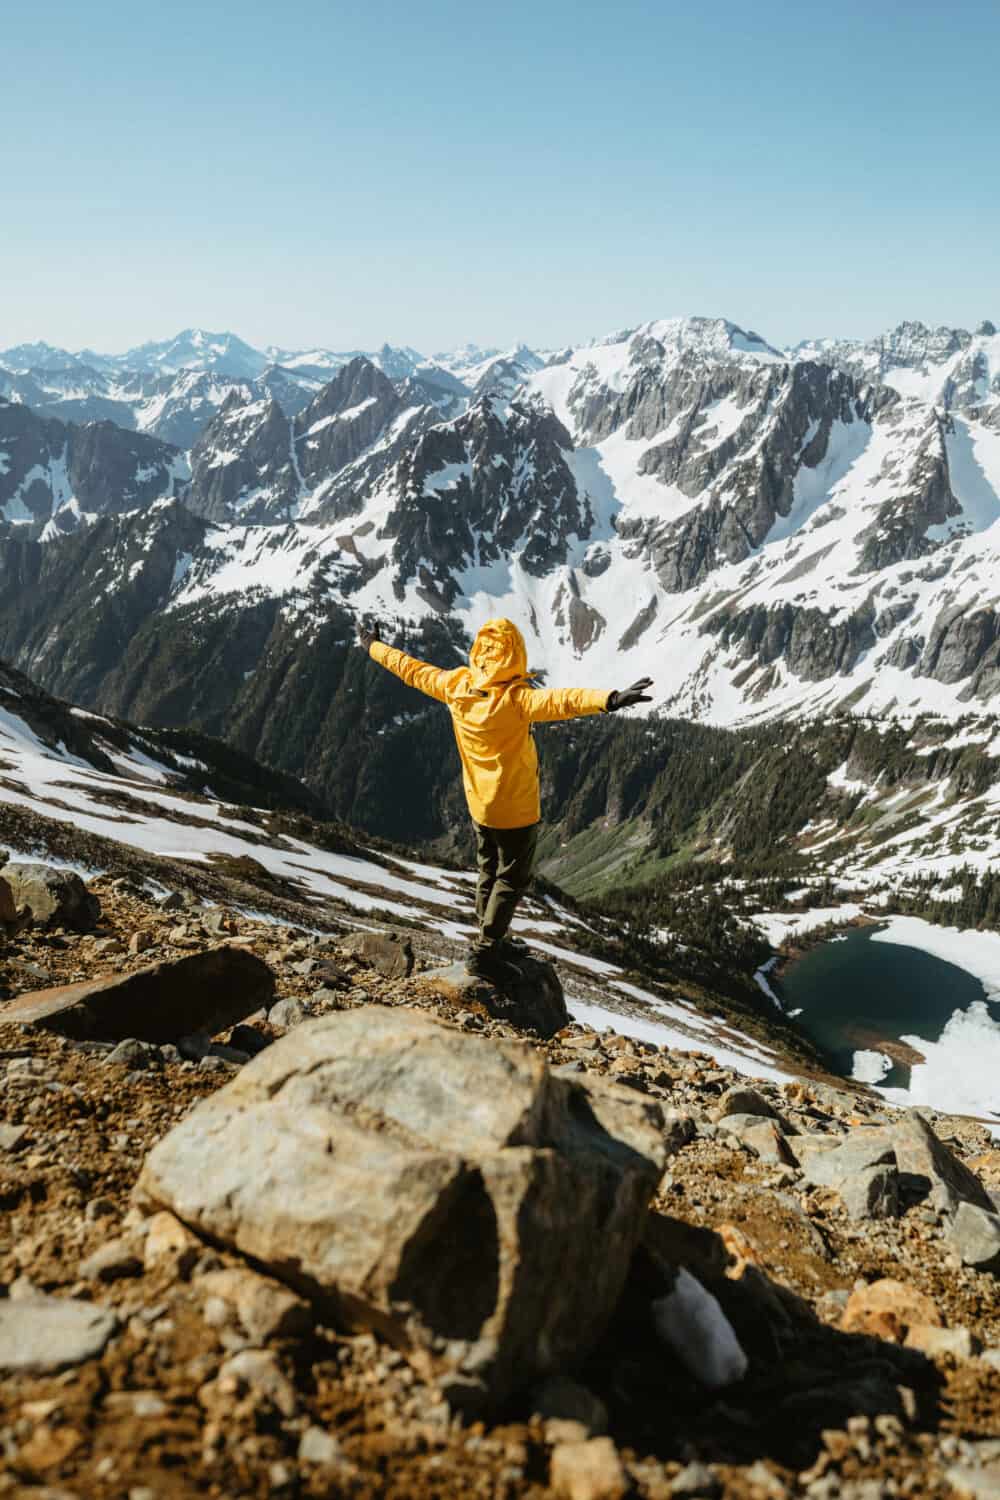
{"x":437,"y":175}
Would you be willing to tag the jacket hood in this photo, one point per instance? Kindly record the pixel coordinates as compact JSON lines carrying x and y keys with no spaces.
{"x":498,"y":655}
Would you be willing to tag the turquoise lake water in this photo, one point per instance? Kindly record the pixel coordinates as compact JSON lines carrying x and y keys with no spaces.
{"x":854,"y":993}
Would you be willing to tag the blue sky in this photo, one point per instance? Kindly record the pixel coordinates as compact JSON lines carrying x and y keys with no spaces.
{"x":436,"y":172}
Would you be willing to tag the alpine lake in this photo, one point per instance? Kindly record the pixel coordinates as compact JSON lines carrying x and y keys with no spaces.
{"x":853,"y":994}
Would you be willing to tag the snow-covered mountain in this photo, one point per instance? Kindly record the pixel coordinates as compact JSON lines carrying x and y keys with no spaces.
{"x":53,"y":475}
{"x":947,"y":367}
{"x":760,"y":531}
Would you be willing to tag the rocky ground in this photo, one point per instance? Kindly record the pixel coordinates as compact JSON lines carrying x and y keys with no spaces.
{"x":849,"y":1248}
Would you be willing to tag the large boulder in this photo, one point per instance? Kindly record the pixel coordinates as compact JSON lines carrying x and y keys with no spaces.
{"x":449,"y":1192}
{"x":206,"y":992}
{"x":57,"y":898}
{"x":532,"y":1002}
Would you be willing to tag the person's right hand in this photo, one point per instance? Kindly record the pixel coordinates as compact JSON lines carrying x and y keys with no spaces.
{"x":367,"y":634}
{"x":630,"y":696}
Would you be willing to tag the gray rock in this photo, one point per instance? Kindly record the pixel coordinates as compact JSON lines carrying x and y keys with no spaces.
{"x":975,"y":1233}
{"x":248,"y":1039}
{"x":111,"y":1262}
{"x":57,"y":898}
{"x":767,"y":1141}
{"x":859,"y":1153}
{"x":208,"y":990}
{"x":317,"y":1446}
{"x":389,"y":955}
{"x":533,"y":1001}
{"x":133,"y":1054}
{"x":258,"y":1370}
{"x":233,"y":1055}
{"x":414,"y":1179}
{"x":696,"y":1482}
{"x":44,"y":1334}
{"x":286,"y":1014}
{"x":12,"y":1137}
{"x":871,"y":1193}
{"x":744,"y":1101}
{"x":973,"y":1484}
{"x":194,"y":1046}
{"x":928,"y":1167}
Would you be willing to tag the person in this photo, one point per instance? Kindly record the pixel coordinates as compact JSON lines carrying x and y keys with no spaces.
{"x":493,"y":706}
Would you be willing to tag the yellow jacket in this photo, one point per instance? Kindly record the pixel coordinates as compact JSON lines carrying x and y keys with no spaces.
{"x":492,"y":709}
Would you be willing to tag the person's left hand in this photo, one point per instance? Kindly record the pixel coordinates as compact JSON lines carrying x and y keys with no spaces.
{"x":628,"y":697}
{"x":369,"y":633}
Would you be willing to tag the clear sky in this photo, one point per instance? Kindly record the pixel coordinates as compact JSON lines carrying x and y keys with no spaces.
{"x":432,"y":172}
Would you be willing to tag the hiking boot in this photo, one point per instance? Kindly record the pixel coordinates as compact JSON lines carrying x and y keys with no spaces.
{"x":492,"y":964}
{"x":513,"y":948}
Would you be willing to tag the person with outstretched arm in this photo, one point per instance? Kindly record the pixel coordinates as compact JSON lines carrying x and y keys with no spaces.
{"x":493,"y":706}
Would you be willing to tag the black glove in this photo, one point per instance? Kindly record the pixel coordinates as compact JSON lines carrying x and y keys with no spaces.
{"x":628,"y":697}
{"x":367,"y":634}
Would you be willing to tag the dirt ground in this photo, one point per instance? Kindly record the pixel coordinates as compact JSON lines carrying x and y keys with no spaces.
{"x":822,"y":1412}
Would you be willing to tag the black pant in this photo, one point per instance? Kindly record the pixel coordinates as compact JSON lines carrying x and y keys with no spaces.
{"x":506,"y":859}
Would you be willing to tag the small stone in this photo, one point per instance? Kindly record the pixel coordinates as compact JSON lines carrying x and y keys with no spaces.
{"x":169,"y":1242}
{"x":744,"y":1101}
{"x":195,"y":1045}
{"x":317,"y":1446}
{"x":172,"y":901}
{"x":133,"y":1054}
{"x":248,"y":1039}
{"x":228,"y":1054}
{"x":136,"y":1403}
{"x":111,"y":1262}
{"x":976,"y":1236}
{"x":266,"y":1309}
{"x":106,"y":945}
{"x":213,"y":1064}
{"x":388,"y":955}
{"x":958,"y":1343}
{"x":887,"y":1309}
{"x":258,"y":1370}
{"x":12,"y":1136}
{"x":974,"y":1484}
{"x":286,"y":1014}
{"x":99,"y":1208}
{"x":696,"y":1482}
{"x":588,"y":1471}
{"x":40,"y":1334}
{"x":139,"y":942}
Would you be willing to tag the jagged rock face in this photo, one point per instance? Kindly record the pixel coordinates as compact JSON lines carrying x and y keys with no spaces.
{"x":813,"y":646}
{"x":744,"y":481}
{"x":54,"y":471}
{"x":473,"y":490}
{"x":345,"y":418}
{"x":899,"y":531}
{"x":68,"y":614}
{"x":957,"y":370}
{"x":243,"y":464}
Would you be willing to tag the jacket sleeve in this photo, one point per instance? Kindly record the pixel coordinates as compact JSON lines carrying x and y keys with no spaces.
{"x":542,"y":705}
{"x":416,"y":674}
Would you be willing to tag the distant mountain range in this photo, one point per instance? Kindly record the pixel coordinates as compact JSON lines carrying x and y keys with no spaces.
{"x":763,"y":531}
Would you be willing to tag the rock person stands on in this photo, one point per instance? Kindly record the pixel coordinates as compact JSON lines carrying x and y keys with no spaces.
{"x":493,"y":706}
